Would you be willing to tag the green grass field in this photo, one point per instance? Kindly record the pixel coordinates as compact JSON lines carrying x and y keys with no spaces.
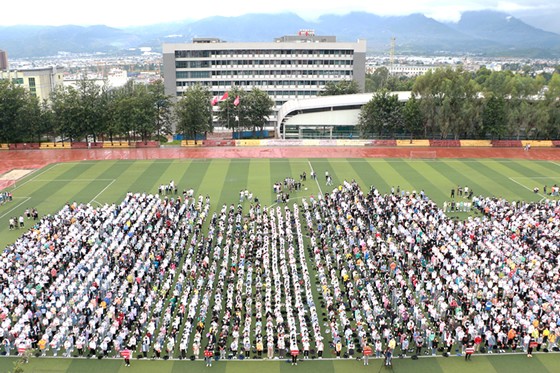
{"x":518,"y":363}
{"x":103,"y":182}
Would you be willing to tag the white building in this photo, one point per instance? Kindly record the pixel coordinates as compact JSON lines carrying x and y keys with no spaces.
{"x":295,"y":66}
{"x":40,"y":82}
{"x":113,"y":79}
{"x":328,"y":117}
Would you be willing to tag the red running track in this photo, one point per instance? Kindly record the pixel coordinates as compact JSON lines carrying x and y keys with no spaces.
{"x":34,"y":159}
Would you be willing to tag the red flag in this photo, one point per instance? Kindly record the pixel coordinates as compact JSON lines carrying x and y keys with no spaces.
{"x":214,"y":100}
{"x":224,"y":97}
{"x":236,"y":102}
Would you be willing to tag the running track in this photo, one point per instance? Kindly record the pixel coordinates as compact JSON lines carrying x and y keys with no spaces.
{"x":35,"y":159}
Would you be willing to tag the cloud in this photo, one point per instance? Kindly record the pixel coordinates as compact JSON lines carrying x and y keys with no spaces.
{"x":127,"y":12}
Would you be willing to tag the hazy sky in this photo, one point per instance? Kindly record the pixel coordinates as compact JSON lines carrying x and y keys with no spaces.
{"x":131,"y":13}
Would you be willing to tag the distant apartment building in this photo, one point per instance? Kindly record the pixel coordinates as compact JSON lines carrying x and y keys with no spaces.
{"x":405,"y":70}
{"x":290,"y":67}
{"x":115,"y":78}
{"x":3,"y":60}
{"x":40,"y":82}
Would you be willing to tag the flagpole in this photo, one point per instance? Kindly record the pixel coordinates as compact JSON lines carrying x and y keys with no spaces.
{"x":238,"y":129}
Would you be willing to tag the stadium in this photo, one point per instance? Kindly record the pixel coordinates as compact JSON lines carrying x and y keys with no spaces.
{"x":255,"y":254}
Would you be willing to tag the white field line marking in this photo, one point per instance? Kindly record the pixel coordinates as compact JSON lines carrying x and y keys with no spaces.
{"x":15,"y":207}
{"x":531,"y":177}
{"x":316,"y":178}
{"x":317,"y":160}
{"x":71,"y":180}
{"x":104,"y":189}
{"x":529,"y":189}
{"x":35,"y":177}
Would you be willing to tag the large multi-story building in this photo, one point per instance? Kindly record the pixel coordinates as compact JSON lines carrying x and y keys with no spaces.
{"x":290,"y":67}
{"x":40,"y":82}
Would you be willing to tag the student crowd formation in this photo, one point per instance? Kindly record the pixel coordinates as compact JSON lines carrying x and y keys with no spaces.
{"x":165,"y":277}
{"x":394,"y":268}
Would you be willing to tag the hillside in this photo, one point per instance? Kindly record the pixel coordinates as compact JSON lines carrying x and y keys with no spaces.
{"x":481,"y":32}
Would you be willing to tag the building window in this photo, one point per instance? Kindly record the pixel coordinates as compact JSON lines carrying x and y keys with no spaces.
{"x":17,"y":80}
{"x":200,"y":74}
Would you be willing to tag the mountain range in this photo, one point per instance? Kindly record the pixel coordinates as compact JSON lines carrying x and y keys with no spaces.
{"x":479,"y":32}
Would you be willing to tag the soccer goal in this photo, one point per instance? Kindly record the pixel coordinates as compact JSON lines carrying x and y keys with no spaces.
{"x":423,"y":154}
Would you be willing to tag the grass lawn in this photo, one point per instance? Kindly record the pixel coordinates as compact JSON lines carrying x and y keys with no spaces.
{"x":100,"y":182}
{"x":541,"y":363}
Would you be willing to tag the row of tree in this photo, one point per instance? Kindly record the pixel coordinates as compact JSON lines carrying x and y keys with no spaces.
{"x":84,"y":113}
{"x":453,"y":103}
{"x":134,"y":112}
{"x":446,"y":103}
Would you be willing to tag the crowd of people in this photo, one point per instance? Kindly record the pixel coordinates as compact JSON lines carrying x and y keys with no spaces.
{"x":6,"y":197}
{"x":406,"y":274}
{"x":346,"y":271}
{"x":16,"y":222}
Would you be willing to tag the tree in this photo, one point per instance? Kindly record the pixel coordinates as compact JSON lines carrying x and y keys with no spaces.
{"x":260,"y":109}
{"x":412,"y":116}
{"x":377,"y":80}
{"x":13,"y":114}
{"x":449,"y":101}
{"x":553,"y":88}
{"x":47,"y":122}
{"x":396,"y":83}
{"x":251,"y":112}
{"x":67,"y":112}
{"x":552,"y":102}
{"x":32,"y":113}
{"x":553,"y":125}
{"x":341,"y":87}
{"x":193,"y":112}
{"x":528,"y":117}
{"x":79,"y":111}
{"x":163,"y":106}
{"x":91,"y":106}
{"x":497,"y":84}
{"x":139,"y":110}
{"x":383,"y":114}
{"x":493,"y":116}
